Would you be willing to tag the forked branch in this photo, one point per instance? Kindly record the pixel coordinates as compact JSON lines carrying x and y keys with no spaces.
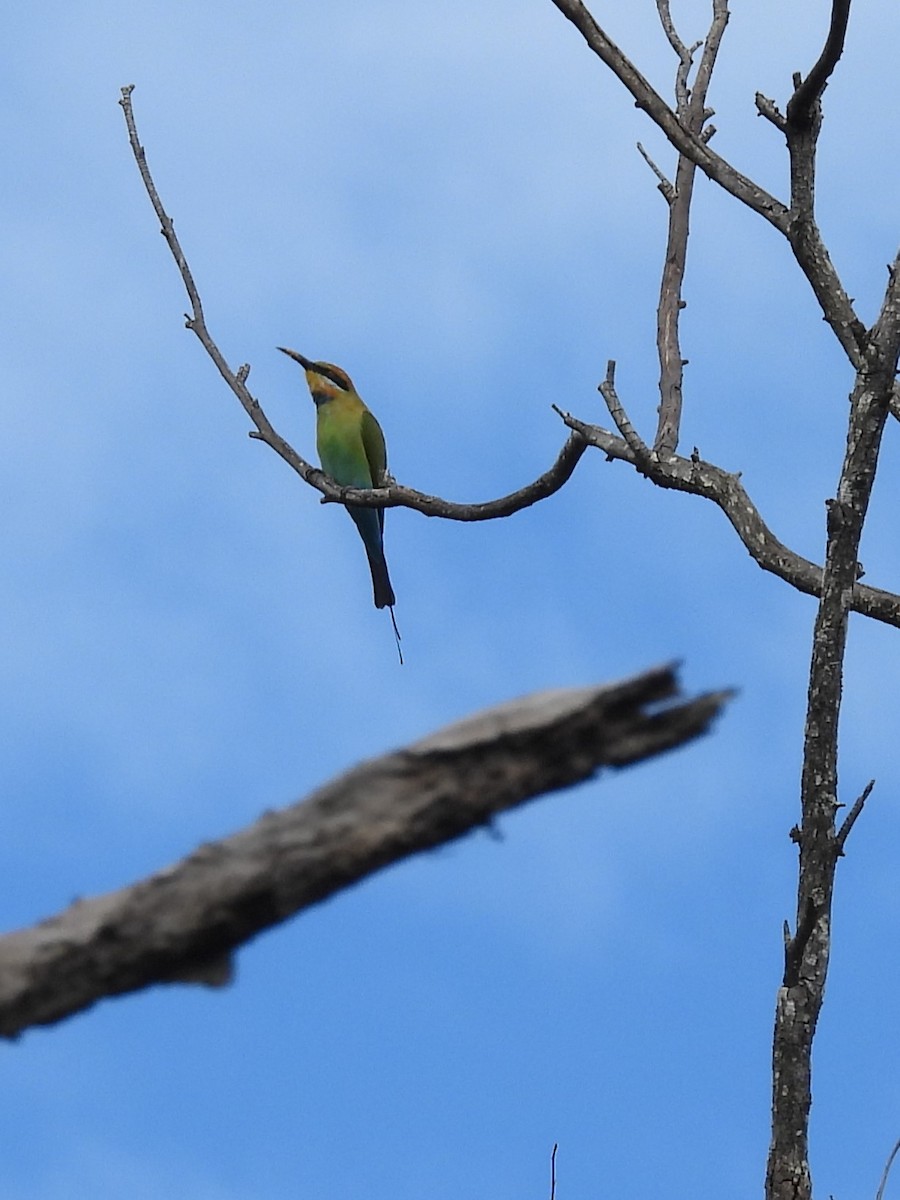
{"x":693,"y":114}
{"x":726,"y":491}
{"x":804,"y":237}
{"x":685,"y":142}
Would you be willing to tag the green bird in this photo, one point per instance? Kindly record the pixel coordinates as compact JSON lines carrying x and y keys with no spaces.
{"x":352,"y":451}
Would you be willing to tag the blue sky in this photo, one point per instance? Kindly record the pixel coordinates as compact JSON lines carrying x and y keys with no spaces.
{"x":448,"y":203}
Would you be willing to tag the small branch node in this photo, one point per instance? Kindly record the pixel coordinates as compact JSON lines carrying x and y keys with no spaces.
{"x":769,"y":109}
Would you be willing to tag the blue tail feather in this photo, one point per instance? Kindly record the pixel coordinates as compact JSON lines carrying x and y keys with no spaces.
{"x":368,"y":522}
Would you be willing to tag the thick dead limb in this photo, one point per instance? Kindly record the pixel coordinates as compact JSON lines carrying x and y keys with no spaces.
{"x":182,"y":924}
{"x":820,"y":843}
{"x":800,"y":997}
{"x":395,"y":495}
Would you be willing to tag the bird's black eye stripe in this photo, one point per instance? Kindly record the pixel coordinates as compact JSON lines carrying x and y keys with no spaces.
{"x":329,"y":373}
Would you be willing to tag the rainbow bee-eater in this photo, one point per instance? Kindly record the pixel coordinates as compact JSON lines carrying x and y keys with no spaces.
{"x":352,"y":451}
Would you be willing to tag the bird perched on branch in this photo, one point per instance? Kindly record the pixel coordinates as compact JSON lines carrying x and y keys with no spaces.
{"x":352,"y":451}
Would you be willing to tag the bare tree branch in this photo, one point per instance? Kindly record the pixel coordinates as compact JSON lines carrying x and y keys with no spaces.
{"x":693,"y":114}
{"x":645,"y":97}
{"x":885,"y":332}
{"x":802,"y":234}
{"x":665,"y":186}
{"x":852,"y":817}
{"x":710,"y":53}
{"x":725,"y":489}
{"x":182,"y":924}
{"x":639,"y":450}
{"x":397,"y":496}
{"x":879,"y":1195}
{"x":769,"y":109}
{"x":394,"y":496}
{"x":801,"y":128}
{"x":684,"y":53}
{"x":801,"y":995}
{"x":801,"y":106}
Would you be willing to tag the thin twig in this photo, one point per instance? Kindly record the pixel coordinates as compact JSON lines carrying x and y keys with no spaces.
{"x":684,"y":53}
{"x":769,"y":109}
{"x":710,"y":53}
{"x":665,"y":185}
{"x":553,"y":1171}
{"x":394,"y":496}
{"x":879,"y":1195}
{"x":607,"y":389}
{"x":665,"y":18}
{"x":850,"y":820}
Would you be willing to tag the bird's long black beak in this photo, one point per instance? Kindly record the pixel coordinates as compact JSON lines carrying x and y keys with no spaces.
{"x":304,"y":362}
